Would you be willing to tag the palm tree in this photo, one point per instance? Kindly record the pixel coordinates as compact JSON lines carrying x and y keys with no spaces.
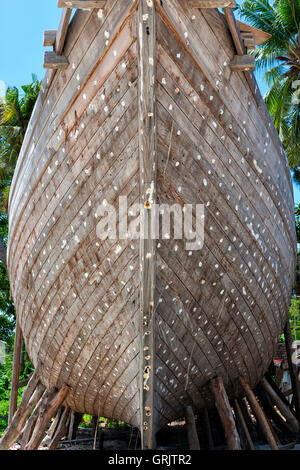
{"x":279,"y":58}
{"x":15,"y":112}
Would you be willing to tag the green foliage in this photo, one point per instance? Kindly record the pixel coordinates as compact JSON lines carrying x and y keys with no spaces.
{"x":279,"y":57}
{"x":297,"y":220}
{"x":295,"y":318}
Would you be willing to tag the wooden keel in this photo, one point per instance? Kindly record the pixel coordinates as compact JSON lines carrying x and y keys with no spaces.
{"x":148,"y":166}
{"x":191,"y":429}
{"x":259,"y":414}
{"x":225,"y":412}
{"x":51,"y":402}
{"x":16,"y":371}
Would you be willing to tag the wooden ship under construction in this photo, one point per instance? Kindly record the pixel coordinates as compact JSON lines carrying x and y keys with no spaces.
{"x":156,"y":101}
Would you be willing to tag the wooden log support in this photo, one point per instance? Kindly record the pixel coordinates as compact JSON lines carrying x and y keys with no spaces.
{"x":292,"y":368}
{"x":244,"y":63}
{"x":83,"y":4}
{"x":212,"y":3}
{"x":148,"y":166}
{"x":16,"y":371}
{"x":259,"y":414}
{"x":49,"y":38}
{"x":284,"y":410}
{"x":75,"y":419}
{"x":193,"y":439}
{"x":244,"y":425}
{"x":54,"y":61}
{"x":225,"y":412}
{"x":61,"y":430}
{"x":207,"y":428}
{"x":30,"y":398}
{"x":52,"y":402}
{"x":27,"y":432}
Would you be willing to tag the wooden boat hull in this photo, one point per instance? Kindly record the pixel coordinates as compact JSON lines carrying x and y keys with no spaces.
{"x":79,"y":300}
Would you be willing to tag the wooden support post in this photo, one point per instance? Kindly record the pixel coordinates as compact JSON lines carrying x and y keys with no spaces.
{"x":243,"y":422}
{"x":16,"y":371}
{"x":61,"y":429}
{"x":225,"y":412}
{"x":207,"y":427}
{"x":259,"y":414}
{"x":75,"y":419}
{"x":148,"y":167}
{"x":50,"y":406}
{"x":279,"y":376}
{"x":285,"y":411}
{"x":244,"y":406}
{"x":31,"y":396}
{"x":279,"y":392}
{"x":51,"y":431}
{"x":292,"y":368}
{"x":62,"y":30}
{"x":191,"y":429}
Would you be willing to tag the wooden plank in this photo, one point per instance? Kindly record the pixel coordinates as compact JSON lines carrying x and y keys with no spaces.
{"x":16,"y":371}
{"x":225,"y":412}
{"x":54,"y":61}
{"x":191,"y":429}
{"x":82,"y":4}
{"x":259,"y":414}
{"x":212,"y":3}
{"x":235,"y":32}
{"x":148,"y":166}
{"x":243,"y":63}
{"x":49,"y":38}
{"x":62,"y":30}
{"x":260,"y":37}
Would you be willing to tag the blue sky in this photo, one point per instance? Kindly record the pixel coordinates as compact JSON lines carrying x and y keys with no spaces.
{"x":22,"y":23}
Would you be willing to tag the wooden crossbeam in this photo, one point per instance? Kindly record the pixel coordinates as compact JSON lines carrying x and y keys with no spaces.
{"x":243,"y":63}
{"x":49,"y":38}
{"x":249,"y":41}
{"x":81,"y":4}
{"x":54,"y":61}
{"x":212,"y":3}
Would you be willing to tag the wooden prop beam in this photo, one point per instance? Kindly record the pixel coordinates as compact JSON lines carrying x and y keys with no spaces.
{"x":49,"y":38}
{"x":16,"y":372}
{"x":27,"y":432}
{"x":81,"y":4}
{"x":208,"y":429}
{"x":212,"y":3}
{"x":285,"y":411}
{"x":292,"y":368}
{"x":30,"y":398}
{"x":225,"y":412}
{"x":259,"y":414}
{"x":61,"y":430}
{"x":49,"y":407}
{"x":243,"y":422}
{"x":53,"y":427}
{"x":191,"y":429}
{"x":54,"y":61}
{"x":148,"y":166}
